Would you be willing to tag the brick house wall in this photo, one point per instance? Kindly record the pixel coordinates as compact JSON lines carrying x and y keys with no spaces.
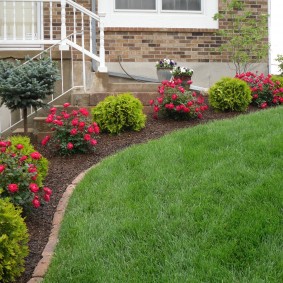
{"x":182,"y":44}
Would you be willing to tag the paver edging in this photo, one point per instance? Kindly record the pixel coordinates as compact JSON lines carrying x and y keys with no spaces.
{"x":48,"y":252}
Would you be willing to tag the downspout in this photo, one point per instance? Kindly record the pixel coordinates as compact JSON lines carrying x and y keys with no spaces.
{"x":269,"y":37}
{"x":93,"y":26}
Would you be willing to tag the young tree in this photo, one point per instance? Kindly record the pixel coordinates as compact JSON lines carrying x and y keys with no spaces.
{"x":245,"y":34}
{"x":27,"y":85}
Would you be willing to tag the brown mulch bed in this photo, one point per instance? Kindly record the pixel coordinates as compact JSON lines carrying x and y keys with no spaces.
{"x":63,"y":170}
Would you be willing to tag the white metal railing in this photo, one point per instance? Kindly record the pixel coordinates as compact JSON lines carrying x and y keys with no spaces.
{"x":74,"y":82}
{"x":41,"y":22}
{"x":44,"y":22}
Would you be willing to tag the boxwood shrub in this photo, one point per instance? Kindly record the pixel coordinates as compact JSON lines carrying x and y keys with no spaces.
{"x":13,"y":241}
{"x":230,"y":94}
{"x":118,"y":113}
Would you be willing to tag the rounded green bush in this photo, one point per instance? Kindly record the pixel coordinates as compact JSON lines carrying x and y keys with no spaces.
{"x":119,"y":113}
{"x":42,"y":163}
{"x":230,"y":94}
{"x":278,"y":80}
{"x":13,"y":242}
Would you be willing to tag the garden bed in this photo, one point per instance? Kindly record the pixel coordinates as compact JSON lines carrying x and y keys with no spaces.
{"x":62,"y":170}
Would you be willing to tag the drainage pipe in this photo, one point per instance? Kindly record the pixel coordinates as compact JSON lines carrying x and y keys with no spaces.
{"x":93,"y":27}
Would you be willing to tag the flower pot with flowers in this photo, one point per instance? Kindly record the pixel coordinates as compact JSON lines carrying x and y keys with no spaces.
{"x":184,"y":74}
{"x":178,"y":103}
{"x":164,"y":68}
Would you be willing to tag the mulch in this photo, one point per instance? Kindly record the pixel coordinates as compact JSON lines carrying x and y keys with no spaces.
{"x":63,"y":170}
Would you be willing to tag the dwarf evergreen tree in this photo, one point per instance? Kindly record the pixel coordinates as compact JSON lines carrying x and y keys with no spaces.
{"x":27,"y":85}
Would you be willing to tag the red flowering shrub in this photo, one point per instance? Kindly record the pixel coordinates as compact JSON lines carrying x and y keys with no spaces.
{"x":72,"y":132}
{"x":19,"y":174}
{"x":177,"y":103}
{"x":265,"y":92}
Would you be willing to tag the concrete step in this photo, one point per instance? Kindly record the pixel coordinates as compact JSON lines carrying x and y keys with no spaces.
{"x":134,"y":86}
{"x":144,"y":97}
{"x":20,"y":131}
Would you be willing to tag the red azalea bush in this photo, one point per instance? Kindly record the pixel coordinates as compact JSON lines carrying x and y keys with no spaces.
{"x":264,"y":91}
{"x":18,"y":176}
{"x":178,"y":103}
{"x":72,"y":132}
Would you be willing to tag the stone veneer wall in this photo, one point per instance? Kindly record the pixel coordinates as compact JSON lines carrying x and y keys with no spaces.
{"x":186,"y":45}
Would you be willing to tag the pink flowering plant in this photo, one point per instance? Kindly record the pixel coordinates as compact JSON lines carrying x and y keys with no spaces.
{"x":265,"y":92}
{"x":72,"y":132}
{"x":19,"y":176}
{"x":178,"y":103}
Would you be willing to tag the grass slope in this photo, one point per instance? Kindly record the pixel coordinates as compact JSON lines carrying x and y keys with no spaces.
{"x":199,"y":205}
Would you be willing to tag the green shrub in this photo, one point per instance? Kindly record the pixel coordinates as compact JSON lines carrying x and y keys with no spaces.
{"x":42,"y":163}
{"x":230,"y":94}
{"x":119,"y":113}
{"x":13,"y":242}
{"x":278,"y":81}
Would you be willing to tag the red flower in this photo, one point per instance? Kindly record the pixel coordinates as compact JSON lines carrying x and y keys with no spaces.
{"x":90,"y":129}
{"x":200,"y":100}
{"x":190,"y":103}
{"x":75,"y":113}
{"x":34,"y":177}
{"x":186,"y":109}
{"x":160,"y":100}
{"x":263,"y":105}
{"x":2,"y":168}
{"x":33,"y":187}
{"x":255,"y":96}
{"x":93,"y":142}
{"x":13,"y":188}
{"x":197,"y":109}
{"x":75,"y":122}
{"x":87,"y":137}
{"x":45,"y":140}
{"x":194,"y":94}
{"x":47,"y":191}
{"x":70,"y":146}
{"x":151,"y":102}
{"x":23,"y":158}
{"x":35,"y":155}
{"x":170,"y":106}
{"x":32,"y":168}
{"x":84,"y":111}
{"x":46,"y":197}
{"x":53,"y":110}
{"x":96,"y":130}
{"x":36,"y":202}
{"x":73,"y":132}
{"x":156,"y":108}
{"x":81,"y":124}
{"x":3,"y":144}
{"x":189,"y":82}
{"x":19,"y":146}
{"x":199,"y":115}
{"x":67,"y":104}
{"x":49,"y":119}
{"x":174,"y":96}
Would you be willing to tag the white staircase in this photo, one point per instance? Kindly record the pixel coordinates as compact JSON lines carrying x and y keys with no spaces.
{"x":65,"y":30}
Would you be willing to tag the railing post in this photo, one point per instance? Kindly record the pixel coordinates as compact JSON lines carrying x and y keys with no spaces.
{"x":63,"y":45}
{"x":102,"y":68}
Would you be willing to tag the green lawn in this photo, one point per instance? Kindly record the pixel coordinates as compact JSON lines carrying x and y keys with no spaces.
{"x":203,"y":204}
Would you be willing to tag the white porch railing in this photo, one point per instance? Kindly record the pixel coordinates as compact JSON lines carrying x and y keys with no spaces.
{"x":26,"y":23}
{"x":40,"y":22}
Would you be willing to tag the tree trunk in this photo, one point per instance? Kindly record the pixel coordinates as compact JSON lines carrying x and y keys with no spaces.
{"x":25,"y":117}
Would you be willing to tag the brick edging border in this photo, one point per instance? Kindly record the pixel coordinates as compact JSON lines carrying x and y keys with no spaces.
{"x":48,"y":252}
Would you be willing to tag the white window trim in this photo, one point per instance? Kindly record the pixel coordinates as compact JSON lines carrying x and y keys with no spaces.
{"x":160,"y":18}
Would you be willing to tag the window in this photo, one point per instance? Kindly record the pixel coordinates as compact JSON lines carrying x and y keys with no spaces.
{"x":159,"y":13}
{"x":19,"y":20}
{"x":135,"y":4}
{"x":181,"y":5}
